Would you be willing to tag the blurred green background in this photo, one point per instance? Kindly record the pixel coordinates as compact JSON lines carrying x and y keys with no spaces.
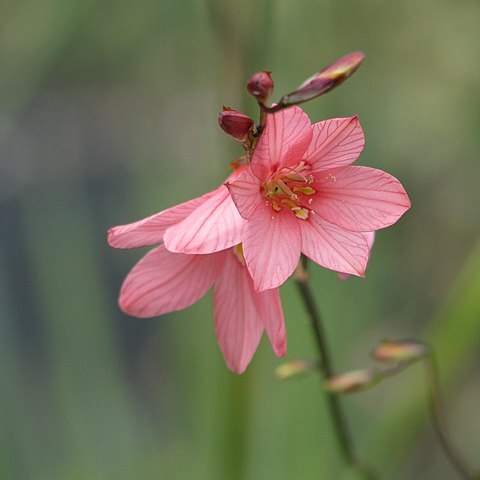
{"x":108,"y":114}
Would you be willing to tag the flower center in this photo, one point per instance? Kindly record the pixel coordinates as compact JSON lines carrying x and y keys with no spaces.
{"x":290,"y":188}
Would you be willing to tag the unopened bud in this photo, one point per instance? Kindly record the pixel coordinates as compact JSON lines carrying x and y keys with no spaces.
{"x":236,"y":124}
{"x":260,"y":85}
{"x":402,"y":351}
{"x":294,"y":368}
{"x":353,"y":381}
{"x":325,"y":80}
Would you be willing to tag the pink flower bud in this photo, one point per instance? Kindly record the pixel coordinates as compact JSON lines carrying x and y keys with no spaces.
{"x":325,"y":80}
{"x":294,"y":368}
{"x":353,"y":381}
{"x":236,"y":124}
{"x":402,"y":351}
{"x":260,"y":85}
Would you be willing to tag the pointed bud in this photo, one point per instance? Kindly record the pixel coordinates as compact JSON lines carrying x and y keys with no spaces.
{"x":325,"y":80}
{"x":236,"y":124}
{"x":294,"y":368}
{"x":260,"y":85}
{"x":353,"y":381}
{"x":403,"y":351}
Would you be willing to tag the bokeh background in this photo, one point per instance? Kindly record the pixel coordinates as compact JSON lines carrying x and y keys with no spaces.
{"x":108,"y":114}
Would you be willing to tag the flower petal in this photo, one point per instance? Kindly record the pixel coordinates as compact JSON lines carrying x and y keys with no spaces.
{"x":237,"y":322}
{"x":271,"y":246}
{"x":245,"y":191}
{"x":163,"y":282}
{"x":333,"y":247}
{"x":335,"y":143}
{"x":370,"y":238}
{"x":270,"y":311}
{"x":150,"y":230}
{"x":359,"y":199}
{"x":214,"y":226}
{"x":284,"y":140}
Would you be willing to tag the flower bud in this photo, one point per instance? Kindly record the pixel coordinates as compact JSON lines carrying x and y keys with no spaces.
{"x":260,"y":85}
{"x":294,"y":368}
{"x":236,"y":124}
{"x":402,"y":351}
{"x":353,"y":381}
{"x":325,"y":80}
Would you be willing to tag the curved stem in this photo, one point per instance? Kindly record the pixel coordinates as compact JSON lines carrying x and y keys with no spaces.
{"x":344,"y":439}
{"x":439,"y":420}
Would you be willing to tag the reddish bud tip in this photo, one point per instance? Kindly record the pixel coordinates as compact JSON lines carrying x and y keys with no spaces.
{"x":236,"y":124}
{"x":403,"y":351}
{"x":260,"y":85}
{"x":325,"y":80}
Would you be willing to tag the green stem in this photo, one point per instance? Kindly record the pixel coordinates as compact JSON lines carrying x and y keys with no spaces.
{"x":437,"y":412}
{"x":344,"y":439}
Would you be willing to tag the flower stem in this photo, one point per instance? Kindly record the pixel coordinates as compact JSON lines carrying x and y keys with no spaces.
{"x":437,"y":412}
{"x":344,"y":439}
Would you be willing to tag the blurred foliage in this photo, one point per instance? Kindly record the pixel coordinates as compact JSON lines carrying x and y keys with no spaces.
{"x":107,"y":114}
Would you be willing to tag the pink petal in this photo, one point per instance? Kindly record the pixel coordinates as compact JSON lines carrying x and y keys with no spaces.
{"x":270,"y":310}
{"x":237,"y":322}
{"x":150,"y":230}
{"x":284,"y":140}
{"x":359,"y":199}
{"x":370,"y":238}
{"x":271,"y":246}
{"x":214,"y":226}
{"x":333,"y":247}
{"x":245,"y":191}
{"x":335,"y":143}
{"x":163,"y":282}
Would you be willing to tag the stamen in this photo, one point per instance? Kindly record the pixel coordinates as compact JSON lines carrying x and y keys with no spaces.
{"x":283,"y":186}
{"x":296,"y":177}
{"x":304,"y":190}
{"x":290,"y":204}
{"x":301,"y":213}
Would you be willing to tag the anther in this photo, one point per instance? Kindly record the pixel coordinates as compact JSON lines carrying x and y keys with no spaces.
{"x":304,"y":190}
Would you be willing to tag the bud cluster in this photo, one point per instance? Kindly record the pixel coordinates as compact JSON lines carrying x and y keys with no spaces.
{"x":260,"y":85}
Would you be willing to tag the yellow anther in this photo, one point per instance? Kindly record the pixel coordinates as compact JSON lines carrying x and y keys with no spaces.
{"x":304,"y":190}
{"x":301,"y":213}
{"x":276,"y":206}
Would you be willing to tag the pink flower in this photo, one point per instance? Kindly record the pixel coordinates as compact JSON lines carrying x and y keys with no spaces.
{"x":163,"y":281}
{"x":300,"y":194}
